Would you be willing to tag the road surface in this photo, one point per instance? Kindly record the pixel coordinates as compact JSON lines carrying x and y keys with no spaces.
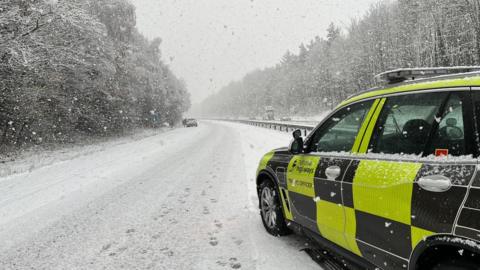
{"x":183,"y":199}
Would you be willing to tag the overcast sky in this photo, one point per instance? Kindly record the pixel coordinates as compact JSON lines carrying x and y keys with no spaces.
{"x":209,"y":43}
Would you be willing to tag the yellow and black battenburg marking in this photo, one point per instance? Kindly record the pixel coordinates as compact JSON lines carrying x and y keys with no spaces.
{"x":375,"y":209}
{"x":468,"y":224}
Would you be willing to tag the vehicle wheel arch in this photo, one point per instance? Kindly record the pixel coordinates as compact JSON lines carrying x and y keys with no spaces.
{"x":445,"y":242}
{"x":266,"y":175}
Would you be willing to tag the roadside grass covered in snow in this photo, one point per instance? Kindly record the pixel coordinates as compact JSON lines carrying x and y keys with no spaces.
{"x":23,"y":161}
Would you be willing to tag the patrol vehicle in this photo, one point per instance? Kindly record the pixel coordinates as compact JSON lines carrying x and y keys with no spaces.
{"x":389,"y":180}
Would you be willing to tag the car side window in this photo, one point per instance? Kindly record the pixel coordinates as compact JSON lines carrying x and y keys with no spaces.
{"x":449,"y":138}
{"x":405,"y":123}
{"x":339,"y":132}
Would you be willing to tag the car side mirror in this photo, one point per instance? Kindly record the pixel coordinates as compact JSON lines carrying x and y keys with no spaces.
{"x":296,"y":146}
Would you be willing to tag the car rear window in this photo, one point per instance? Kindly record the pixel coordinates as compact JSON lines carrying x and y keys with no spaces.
{"x":427,"y":124}
{"x":405,"y":123}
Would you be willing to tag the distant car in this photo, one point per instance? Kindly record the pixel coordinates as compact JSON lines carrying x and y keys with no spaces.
{"x":286,"y":118}
{"x":390,"y":179}
{"x":191,"y":123}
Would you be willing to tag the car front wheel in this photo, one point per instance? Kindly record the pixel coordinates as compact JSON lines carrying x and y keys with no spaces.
{"x":271,"y":210}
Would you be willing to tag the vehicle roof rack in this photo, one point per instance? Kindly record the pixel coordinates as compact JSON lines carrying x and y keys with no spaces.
{"x":406,"y":74}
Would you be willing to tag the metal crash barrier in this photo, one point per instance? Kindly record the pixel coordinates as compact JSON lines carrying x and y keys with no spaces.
{"x":284,"y":127}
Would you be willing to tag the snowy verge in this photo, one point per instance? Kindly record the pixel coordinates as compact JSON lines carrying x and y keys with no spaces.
{"x":312,"y":119}
{"x":32,"y":159}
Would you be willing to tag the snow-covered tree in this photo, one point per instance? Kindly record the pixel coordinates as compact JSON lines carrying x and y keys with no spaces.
{"x":392,"y":34}
{"x":80,"y":68}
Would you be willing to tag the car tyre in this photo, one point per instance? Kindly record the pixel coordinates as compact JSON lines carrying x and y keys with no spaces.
{"x":271,"y":210}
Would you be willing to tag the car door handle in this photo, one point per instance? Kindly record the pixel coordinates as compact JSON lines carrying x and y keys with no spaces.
{"x":333,"y":172}
{"x":435,"y":183}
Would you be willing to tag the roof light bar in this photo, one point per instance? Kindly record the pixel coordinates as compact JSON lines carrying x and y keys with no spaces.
{"x":401,"y":75}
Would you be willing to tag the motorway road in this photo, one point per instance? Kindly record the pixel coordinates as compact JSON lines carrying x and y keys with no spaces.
{"x":183,"y":199}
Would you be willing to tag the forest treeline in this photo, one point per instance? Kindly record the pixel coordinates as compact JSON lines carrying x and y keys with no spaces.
{"x":80,"y":68}
{"x":392,"y":34}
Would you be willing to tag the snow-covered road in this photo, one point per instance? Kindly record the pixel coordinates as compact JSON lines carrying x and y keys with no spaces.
{"x":184,"y":199}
